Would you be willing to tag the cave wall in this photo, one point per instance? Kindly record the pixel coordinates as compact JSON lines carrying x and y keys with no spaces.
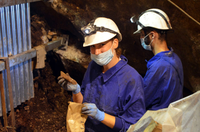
{"x":69,"y":16}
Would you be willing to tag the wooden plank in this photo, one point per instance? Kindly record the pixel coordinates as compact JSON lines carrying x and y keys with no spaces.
{"x":29,"y":54}
{"x":10,"y":93}
{"x":19,"y":58}
{"x":3,"y":101}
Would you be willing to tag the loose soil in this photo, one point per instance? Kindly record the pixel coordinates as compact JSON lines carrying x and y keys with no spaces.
{"x":46,"y":112}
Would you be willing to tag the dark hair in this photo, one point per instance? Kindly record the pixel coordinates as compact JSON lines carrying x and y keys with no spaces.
{"x":162,"y":33}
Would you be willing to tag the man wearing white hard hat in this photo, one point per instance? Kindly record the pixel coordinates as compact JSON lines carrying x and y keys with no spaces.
{"x":163,"y":81}
{"x":111,"y":91}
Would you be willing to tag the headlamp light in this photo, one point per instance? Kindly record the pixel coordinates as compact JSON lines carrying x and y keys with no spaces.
{"x":87,"y":31}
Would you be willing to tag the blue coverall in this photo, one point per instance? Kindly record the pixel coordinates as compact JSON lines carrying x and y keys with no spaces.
{"x":118,"y":92}
{"x":163,"y":81}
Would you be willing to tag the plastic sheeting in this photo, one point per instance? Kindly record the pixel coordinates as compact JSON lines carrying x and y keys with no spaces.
{"x":181,"y":116}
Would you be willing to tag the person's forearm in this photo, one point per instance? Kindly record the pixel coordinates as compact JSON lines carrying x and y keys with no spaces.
{"x":109,"y":120}
{"x":78,"y":98}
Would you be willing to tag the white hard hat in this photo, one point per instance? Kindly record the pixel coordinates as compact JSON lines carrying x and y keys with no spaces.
{"x":154,"y":18}
{"x":100,"y":30}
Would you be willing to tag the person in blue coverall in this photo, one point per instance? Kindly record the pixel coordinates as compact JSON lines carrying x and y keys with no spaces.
{"x":163,"y":81}
{"x":111,"y":91}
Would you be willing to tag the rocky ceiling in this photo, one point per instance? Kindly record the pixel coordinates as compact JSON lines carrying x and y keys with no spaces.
{"x":68,"y":16}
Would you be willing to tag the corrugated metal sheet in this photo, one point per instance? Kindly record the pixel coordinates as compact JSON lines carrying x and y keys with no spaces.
{"x":15,"y":38}
{"x":4,"y":3}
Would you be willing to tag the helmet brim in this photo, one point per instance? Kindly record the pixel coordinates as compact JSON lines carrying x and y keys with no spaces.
{"x":139,"y":28}
{"x":136,"y":32}
{"x":97,"y":38}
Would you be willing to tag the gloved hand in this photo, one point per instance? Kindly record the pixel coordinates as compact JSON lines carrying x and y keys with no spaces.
{"x":91,"y":109}
{"x":69,"y":84}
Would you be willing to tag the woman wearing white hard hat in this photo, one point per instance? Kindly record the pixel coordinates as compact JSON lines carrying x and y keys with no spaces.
{"x":111,"y":91}
{"x":163,"y":81}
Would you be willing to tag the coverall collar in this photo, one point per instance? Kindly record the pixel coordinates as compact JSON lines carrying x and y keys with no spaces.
{"x":159,"y":55}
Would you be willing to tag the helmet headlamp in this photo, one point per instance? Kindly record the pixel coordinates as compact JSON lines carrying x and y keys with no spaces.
{"x":133,"y":19}
{"x":87,"y":31}
{"x":92,"y":29}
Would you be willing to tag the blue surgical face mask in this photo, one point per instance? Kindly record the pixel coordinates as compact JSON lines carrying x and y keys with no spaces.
{"x":144,"y":45}
{"x":103,"y":58}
